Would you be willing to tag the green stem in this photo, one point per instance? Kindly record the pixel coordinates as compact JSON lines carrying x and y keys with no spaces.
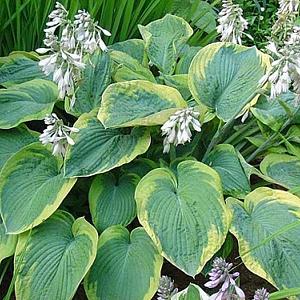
{"x":223,"y":131}
{"x":217,"y":137}
{"x":5,"y":269}
{"x":239,"y":132}
{"x":248,"y":150}
{"x":269,"y":141}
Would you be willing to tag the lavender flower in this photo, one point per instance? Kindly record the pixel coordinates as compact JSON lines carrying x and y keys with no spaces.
{"x":220,"y":274}
{"x":177,"y":128}
{"x":78,"y":38}
{"x":232,"y":23}
{"x":57,"y":134}
{"x":166,"y":288}
{"x":261,"y":294}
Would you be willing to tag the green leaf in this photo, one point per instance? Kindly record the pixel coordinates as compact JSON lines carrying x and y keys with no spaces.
{"x":180,"y":82}
{"x":8,"y":242}
{"x":205,"y":17}
{"x":26,"y":101}
{"x":225,"y":77}
{"x":185,"y":215}
{"x":98,"y":150}
{"x":273,"y":113}
{"x":267,"y":227}
{"x":185,"y":60}
{"x":140,"y":166}
{"x":127,"y":266}
{"x":164,"y":40}
{"x":128,"y":68}
{"x":12,"y":140}
{"x":282,"y":168}
{"x":192,"y":292}
{"x":31,"y":187}
{"x":225,"y":161}
{"x":137,"y":103}
{"x":107,"y":195}
{"x":96,"y":78}
{"x":54,"y":258}
{"x":133,"y":47}
{"x":19,"y":70}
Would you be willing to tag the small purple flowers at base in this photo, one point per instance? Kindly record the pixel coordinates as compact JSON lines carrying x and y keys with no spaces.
{"x":261,"y":294}
{"x":221,"y":274}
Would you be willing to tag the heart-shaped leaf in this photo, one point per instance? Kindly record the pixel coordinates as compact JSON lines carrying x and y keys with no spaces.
{"x":225,"y":161}
{"x":98,"y":150}
{"x":96,"y":78}
{"x":127,"y":266}
{"x":282,"y":168}
{"x":267,"y":227}
{"x":225,"y":77}
{"x":107,"y":195}
{"x":128,"y":68}
{"x":32,"y":187}
{"x":12,"y":140}
{"x":54,"y":258}
{"x":133,"y":47}
{"x":164,"y":40}
{"x":31,"y":100}
{"x":138,"y":102}
{"x":185,"y":215}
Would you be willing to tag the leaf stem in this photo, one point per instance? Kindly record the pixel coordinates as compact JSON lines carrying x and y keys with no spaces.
{"x":217,"y":137}
{"x":269,"y":141}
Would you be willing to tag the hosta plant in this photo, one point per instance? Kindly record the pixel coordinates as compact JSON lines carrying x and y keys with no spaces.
{"x":114,"y":160}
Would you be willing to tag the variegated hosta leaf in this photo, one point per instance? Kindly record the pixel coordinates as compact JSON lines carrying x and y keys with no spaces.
{"x":185,"y":215}
{"x":134,"y":48}
{"x":185,"y":60}
{"x":98,"y":150}
{"x":54,"y":257}
{"x":12,"y":140}
{"x":128,"y":68}
{"x":95,"y":79}
{"x":267,"y":227}
{"x":180,"y":82}
{"x":282,"y":168}
{"x":8,"y":242}
{"x":32,"y":187}
{"x":274,"y":113}
{"x":27,"y":101}
{"x":138,"y":102}
{"x":19,"y":70}
{"x":127,"y":266}
{"x":164,"y":40}
{"x":225,"y":77}
{"x":112,"y":201}
{"x":225,"y":161}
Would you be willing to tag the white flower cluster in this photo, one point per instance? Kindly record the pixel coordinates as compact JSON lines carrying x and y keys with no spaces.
{"x":80,"y":37}
{"x":231,"y":23}
{"x":285,"y":69}
{"x":177,"y":129}
{"x":286,"y":16}
{"x":57,"y":134}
